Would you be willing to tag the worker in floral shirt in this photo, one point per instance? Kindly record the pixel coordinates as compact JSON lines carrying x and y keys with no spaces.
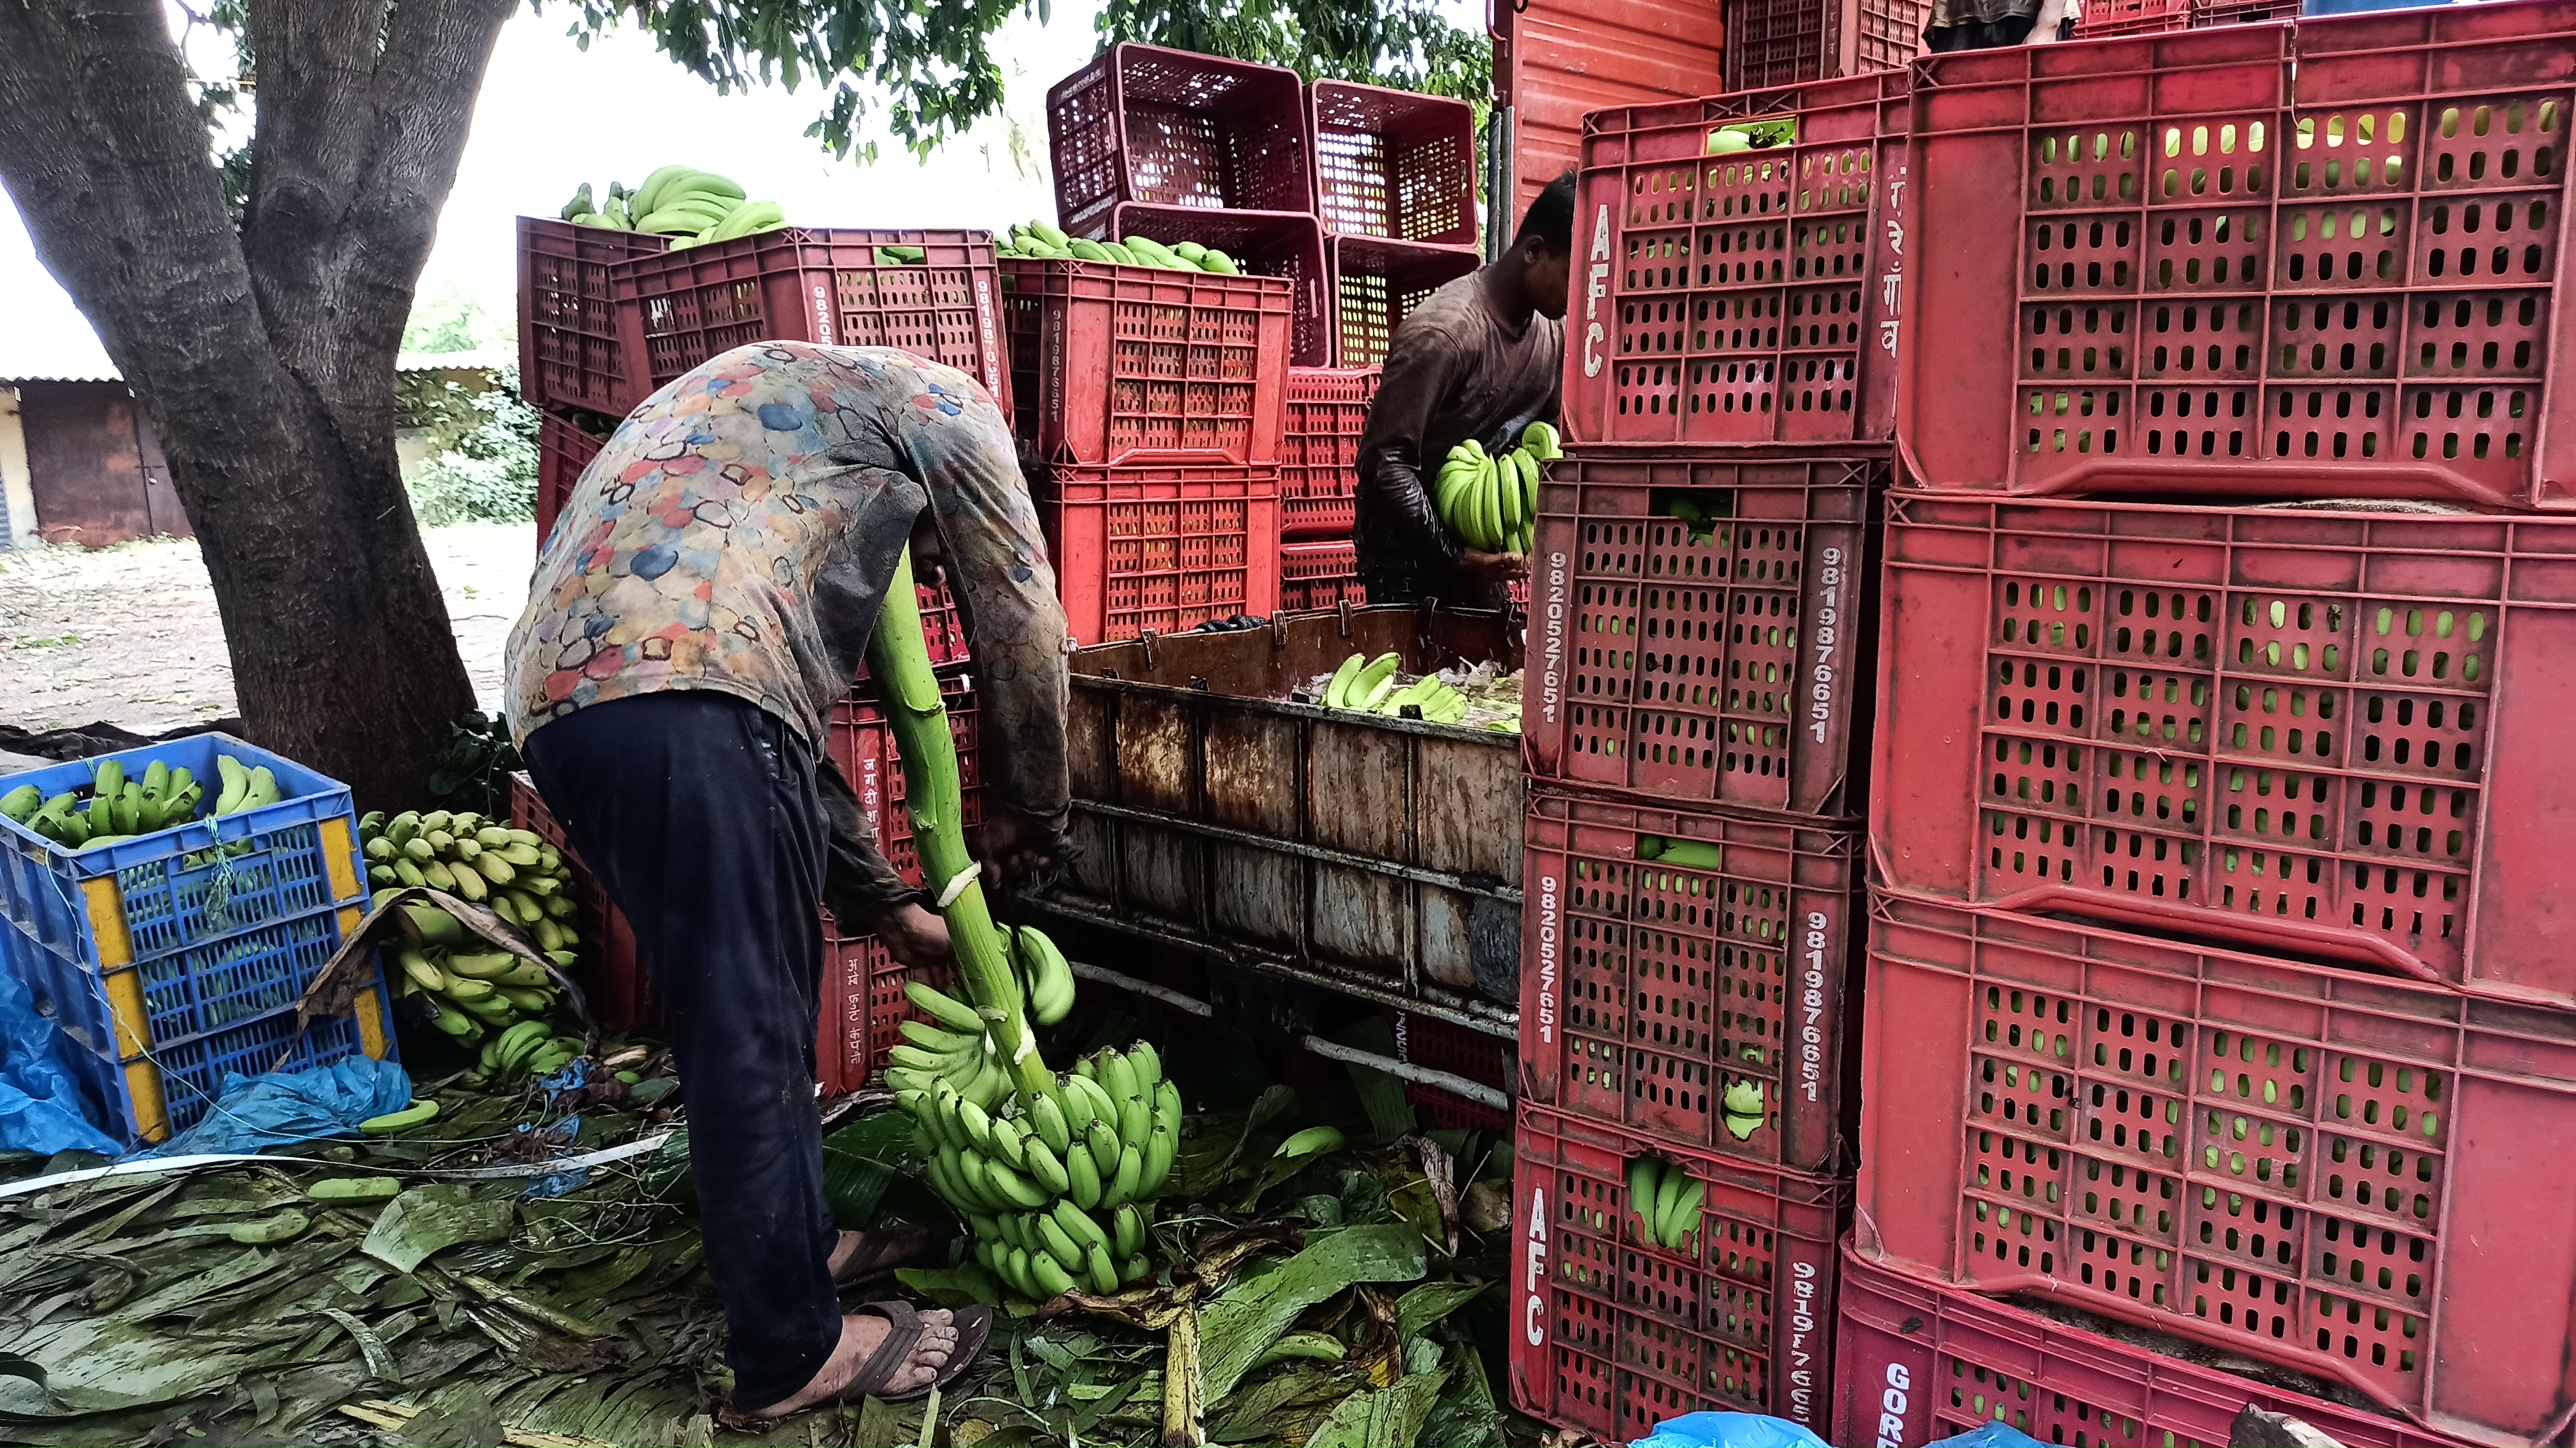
{"x":705,"y":598}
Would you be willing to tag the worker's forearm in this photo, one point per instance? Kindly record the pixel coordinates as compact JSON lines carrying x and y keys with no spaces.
{"x":859,"y":886}
{"x":1404,"y":502}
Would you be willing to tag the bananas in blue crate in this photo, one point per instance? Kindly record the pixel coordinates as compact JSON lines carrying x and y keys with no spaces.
{"x":118,"y":807}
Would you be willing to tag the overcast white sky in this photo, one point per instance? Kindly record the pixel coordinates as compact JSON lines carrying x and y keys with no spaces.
{"x":551,"y":117}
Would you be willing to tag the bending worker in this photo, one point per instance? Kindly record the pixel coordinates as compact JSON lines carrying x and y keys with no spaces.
{"x":705,"y":599}
{"x":1480,"y":358}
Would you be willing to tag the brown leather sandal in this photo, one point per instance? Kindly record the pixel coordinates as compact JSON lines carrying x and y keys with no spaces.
{"x":974,"y":1327}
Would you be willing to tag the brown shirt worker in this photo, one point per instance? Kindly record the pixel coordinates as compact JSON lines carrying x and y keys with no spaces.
{"x":1480,"y":358}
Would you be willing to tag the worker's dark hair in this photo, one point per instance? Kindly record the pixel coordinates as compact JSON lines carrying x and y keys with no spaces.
{"x":1550,"y":219}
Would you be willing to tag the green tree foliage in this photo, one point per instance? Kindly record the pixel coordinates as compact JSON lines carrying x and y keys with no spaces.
{"x":928,"y":63}
{"x":490,"y":474}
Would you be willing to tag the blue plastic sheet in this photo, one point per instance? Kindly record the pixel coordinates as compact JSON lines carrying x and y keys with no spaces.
{"x":287,"y":1106}
{"x":1728,"y":1430}
{"x":40,"y":1104}
{"x":1992,"y":1435}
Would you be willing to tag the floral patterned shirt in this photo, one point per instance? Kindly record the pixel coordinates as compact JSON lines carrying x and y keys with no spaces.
{"x":737,"y":533}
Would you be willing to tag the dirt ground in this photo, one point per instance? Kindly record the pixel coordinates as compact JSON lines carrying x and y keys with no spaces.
{"x":129,"y":634}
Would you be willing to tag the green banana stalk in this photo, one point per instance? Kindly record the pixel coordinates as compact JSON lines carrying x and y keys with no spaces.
{"x":919,"y":722}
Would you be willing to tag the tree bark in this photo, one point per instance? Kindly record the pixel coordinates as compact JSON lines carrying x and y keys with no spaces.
{"x":264,"y":353}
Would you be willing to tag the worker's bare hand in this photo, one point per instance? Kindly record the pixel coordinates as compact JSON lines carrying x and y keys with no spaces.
{"x":1493,"y":567}
{"x":1016,"y":849}
{"x":917,"y":939}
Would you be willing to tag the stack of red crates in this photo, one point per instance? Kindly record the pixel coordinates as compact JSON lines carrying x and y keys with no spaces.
{"x":1149,"y":404}
{"x":1395,"y":188}
{"x":1319,"y":477}
{"x":1358,"y":201}
{"x":1695,"y":729}
{"x":2214,"y":991}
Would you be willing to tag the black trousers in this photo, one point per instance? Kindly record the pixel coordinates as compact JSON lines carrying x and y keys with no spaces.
{"x":698,"y":811}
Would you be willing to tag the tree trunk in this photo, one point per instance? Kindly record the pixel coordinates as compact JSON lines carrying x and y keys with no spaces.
{"x":264,"y":353}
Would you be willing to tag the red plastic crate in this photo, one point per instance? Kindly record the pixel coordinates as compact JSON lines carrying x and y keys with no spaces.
{"x":1790,"y":42}
{"x":1612,"y":1334}
{"x":1484,"y":1059}
{"x":2109,"y":19}
{"x":2207,"y":13}
{"x":1319,"y":575}
{"x":2357,"y":1177}
{"x":2302,"y":731}
{"x":1282,"y":244}
{"x":564,"y":451}
{"x":1647,"y":989}
{"x":1394,"y":163}
{"x":1142,"y":123}
{"x":1118,"y":364}
{"x":1379,"y":283}
{"x":1157,"y":549}
{"x":687,"y":307}
{"x":1319,"y":450}
{"x":570,"y":353}
{"x":1731,"y":666}
{"x":863,"y":749}
{"x":863,"y":1010}
{"x":1748,"y":297}
{"x":1917,"y":1362}
{"x":2191,"y":309}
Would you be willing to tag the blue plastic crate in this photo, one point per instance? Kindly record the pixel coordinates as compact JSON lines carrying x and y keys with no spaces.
{"x":169,"y":961}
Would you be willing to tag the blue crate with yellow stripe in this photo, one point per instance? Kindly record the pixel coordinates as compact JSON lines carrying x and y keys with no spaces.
{"x":174,"y":957}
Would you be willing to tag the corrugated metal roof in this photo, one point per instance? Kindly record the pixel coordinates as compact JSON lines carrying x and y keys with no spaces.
{"x":489,"y":359}
{"x":54,"y":350}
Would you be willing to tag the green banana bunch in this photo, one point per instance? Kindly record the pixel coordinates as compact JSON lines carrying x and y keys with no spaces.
{"x":1038,"y":241}
{"x":121,"y":807}
{"x":1664,"y":1200}
{"x":692,"y":206}
{"x":960,"y":1058}
{"x":1690,"y":854}
{"x":1035,"y":1177}
{"x":1490,"y":502}
{"x":963,"y":1054}
{"x":1044,"y":973}
{"x":1741,"y":1108}
{"x":1694,"y":515}
{"x":476,"y":994}
{"x":1368,"y":686}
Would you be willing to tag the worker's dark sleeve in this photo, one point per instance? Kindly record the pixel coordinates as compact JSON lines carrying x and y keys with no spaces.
{"x":1421,"y":371}
{"x":998,"y":569}
{"x":859,"y":887}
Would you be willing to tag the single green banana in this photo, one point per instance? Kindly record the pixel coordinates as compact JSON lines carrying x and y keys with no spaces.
{"x":1159,"y":1152}
{"x":1078,"y":1224}
{"x":1047,"y":1166}
{"x":1336,"y":692}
